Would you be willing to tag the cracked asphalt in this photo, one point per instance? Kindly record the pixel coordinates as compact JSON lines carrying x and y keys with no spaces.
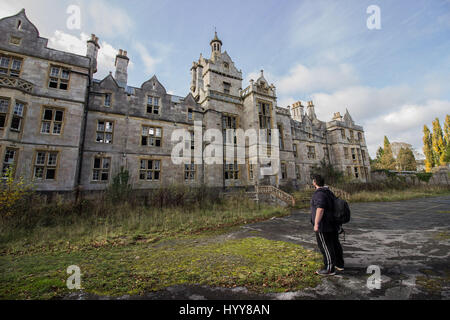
{"x":408,"y":240}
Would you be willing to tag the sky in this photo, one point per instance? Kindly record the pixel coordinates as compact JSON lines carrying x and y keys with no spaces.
{"x":393,"y":79}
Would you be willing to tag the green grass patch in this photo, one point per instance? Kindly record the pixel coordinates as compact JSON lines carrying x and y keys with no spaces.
{"x":259,"y":264}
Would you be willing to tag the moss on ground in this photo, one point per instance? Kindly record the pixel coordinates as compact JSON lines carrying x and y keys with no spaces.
{"x":259,"y":264}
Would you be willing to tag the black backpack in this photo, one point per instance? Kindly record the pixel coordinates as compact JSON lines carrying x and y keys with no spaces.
{"x":341,"y":210}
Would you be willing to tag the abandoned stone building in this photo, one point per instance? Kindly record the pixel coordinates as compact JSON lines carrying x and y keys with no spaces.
{"x":64,"y":129}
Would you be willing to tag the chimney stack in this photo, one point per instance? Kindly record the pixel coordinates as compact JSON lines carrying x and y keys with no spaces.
{"x":311,"y":112}
{"x":121,"y":64}
{"x":297,"y":111}
{"x":92,"y":52}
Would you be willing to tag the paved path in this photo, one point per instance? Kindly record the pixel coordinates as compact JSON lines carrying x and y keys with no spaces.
{"x":408,"y":240}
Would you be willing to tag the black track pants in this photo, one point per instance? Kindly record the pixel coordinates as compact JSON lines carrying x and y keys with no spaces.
{"x":331,"y":249}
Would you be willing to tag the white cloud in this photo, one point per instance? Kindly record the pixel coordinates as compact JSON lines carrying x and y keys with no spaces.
{"x":67,"y":42}
{"x":149,"y":61}
{"x":307,"y":79}
{"x":108,"y":20}
{"x":401,"y":123}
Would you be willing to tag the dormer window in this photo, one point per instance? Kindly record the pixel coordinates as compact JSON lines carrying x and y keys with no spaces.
{"x":107,"y":102}
{"x":153,"y":105}
{"x":226,"y":65}
{"x":19,"y":24}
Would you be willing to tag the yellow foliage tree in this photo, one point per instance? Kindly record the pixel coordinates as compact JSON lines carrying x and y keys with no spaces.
{"x":427,"y":149}
{"x":11,"y":192}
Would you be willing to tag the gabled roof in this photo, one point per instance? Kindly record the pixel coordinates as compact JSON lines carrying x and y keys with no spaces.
{"x":153,"y":84}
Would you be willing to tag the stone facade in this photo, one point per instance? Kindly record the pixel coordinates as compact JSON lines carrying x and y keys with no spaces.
{"x":64,"y":129}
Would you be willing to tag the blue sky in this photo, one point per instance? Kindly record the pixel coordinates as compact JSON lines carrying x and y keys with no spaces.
{"x":392,"y":80}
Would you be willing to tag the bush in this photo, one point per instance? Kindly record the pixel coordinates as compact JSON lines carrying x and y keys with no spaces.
{"x":424,"y":176}
{"x":14,"y":194}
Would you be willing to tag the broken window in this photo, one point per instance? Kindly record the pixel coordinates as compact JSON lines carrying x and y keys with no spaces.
{"x":59,"y":78}
{"x":150,"y":169}
{"x":101,"y":169}
{"x":52,"y":121}
{"x":153,"y":105}
{"x":45,"y":165}
{"x":151,"y":136}
{"x":4,"y":109}
{"x":9,"y":160}
{"x":231,"y":171}
{"x":105,"y":131}
{"x":189,"y":171}
{"x":17,"y":119}
{"x":107,"y":102}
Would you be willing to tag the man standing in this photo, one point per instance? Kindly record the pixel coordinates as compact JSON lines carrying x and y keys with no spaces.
{"x":327,"y":232}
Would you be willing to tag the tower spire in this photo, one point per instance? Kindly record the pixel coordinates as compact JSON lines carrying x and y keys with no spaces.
{"x":216,"y":44}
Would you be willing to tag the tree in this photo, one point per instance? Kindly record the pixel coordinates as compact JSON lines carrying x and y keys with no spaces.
{"x":387,"y":160}
{"x":427,"y":149}
{"x":406,"y":160}
{"x":437,"y":141}
{"x":447,"y":139}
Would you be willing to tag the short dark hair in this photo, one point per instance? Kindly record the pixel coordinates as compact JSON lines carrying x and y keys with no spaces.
{"x":319,"y":179}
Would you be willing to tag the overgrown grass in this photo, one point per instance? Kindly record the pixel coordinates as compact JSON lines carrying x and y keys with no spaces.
{"x":62,"y":225}
{"x":131,"y":248}
{"x":260,"y":265}
{"x":372,"y":192}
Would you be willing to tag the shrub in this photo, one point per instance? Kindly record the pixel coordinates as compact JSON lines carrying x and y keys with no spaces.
{"x":424,"y":176}
{"x":13,"y":192}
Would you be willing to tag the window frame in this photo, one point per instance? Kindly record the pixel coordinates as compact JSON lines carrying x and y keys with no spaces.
{"x":188,"y":170}
{"x":190,"y":111}
{"x":46,"y":165}
{"x":235,"y":172}
{"x":311,"y":155}
{"x":14,"y":163}
{"x":101,"y":169}
{"x":106,"y":94}
{"x":283,"y":169}
{"x":280,"y":136}
{"x":149,"y":136}
{"x":10,"y":65}
{"x":53,"y":121}
{"x":228,"y":121}
{"x":152,"y":105}
{"x":153,"y":170}
{"x":59,"y":78}
{"x":20,"y":117}
{"x":5,"y":114}
{"x":97,"y":131}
